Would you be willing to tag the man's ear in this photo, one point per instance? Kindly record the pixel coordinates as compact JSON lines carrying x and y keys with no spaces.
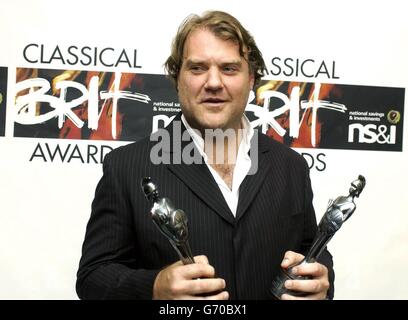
{"x":176,"y":84}
{"x":251,"y":80}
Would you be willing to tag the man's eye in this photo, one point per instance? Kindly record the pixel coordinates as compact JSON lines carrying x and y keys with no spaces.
{"x":230,"y":69}
{"x":197,"y":68}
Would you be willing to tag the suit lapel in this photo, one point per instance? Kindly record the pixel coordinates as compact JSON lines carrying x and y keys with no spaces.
{"x":197,"y":177}
{"x":252,"y":183}
{"x":200,"y":181}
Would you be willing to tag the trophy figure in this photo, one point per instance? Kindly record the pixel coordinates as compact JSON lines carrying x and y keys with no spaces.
{"x":171,"y":222}
{"x":338,"y":211}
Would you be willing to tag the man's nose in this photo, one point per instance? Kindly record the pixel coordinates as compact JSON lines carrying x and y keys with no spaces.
{"x":214,"y":79}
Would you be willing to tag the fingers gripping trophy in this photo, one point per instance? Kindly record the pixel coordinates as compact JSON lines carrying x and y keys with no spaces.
{"x":337,"y":213}
{"x":171,"y":222}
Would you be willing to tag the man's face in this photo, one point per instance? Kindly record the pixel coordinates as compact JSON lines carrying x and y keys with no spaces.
{"x":214,"y":82}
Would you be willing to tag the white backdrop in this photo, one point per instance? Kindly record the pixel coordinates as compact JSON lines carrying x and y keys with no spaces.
{"x":44,"y":206}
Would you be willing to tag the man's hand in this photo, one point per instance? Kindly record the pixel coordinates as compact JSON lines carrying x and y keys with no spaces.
{"x":191,"y":281}
{"x":316,"y":287}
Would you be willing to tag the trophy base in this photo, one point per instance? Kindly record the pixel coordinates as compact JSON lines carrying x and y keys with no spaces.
{"x":278,"y":284}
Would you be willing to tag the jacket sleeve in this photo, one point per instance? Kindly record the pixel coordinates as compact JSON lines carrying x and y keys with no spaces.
{"x":108,"y":267}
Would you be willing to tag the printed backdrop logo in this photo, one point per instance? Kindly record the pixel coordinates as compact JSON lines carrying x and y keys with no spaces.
{"x":331,"y":116}
{"x":128,"y":106}
{"x":86,"y":104}
{"x":3,"y":99}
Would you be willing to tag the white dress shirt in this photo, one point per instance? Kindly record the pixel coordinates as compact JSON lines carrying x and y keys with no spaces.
{"x":242,"y":164}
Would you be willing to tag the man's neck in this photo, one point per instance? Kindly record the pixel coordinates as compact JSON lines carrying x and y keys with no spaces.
{"x":220,"y":148}
{"x":222,"y":152}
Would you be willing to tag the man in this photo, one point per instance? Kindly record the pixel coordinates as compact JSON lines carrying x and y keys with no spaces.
{"x":248,"y":206}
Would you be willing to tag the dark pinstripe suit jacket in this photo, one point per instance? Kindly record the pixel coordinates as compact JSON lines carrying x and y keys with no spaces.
{"x":123,"y":250}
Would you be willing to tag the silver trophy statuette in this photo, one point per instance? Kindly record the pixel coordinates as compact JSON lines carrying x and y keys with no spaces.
{"x":171,"y":222}
{"x":338,"y":211}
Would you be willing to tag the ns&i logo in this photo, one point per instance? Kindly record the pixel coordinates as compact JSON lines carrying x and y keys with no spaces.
{"x":371,"y":133}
